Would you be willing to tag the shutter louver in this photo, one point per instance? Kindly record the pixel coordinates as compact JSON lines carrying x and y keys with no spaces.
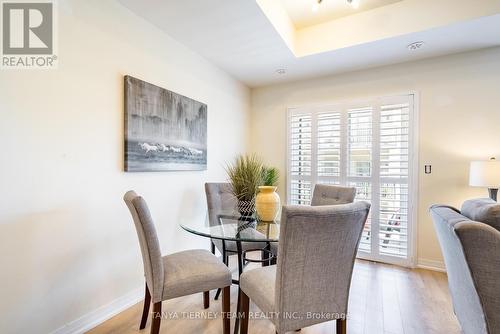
{"x":300,"y":163}
{"x":393,"y":236}
{"x":364,"y":193}
{"x":300,"y":192}
{"x":394,"y":139}
{"x":360,"y":142}
{"x":328,"y":143}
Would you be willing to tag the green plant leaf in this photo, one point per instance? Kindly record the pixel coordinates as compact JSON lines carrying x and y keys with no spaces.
{"x":270,"y":176}
{"x":245,"y":176}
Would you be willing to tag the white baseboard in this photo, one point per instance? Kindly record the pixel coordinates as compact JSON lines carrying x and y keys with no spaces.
{"x":431,"y":265}
{"x":103,"y":313}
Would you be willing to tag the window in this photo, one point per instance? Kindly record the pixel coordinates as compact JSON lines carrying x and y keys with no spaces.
{"x":369,"y":145}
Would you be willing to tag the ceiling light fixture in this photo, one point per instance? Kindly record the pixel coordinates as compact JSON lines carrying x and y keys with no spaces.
{"x":315,"y":6}
{"x":415,"y":46}
{"x":281,"y":71}
{"x":354,"y":3}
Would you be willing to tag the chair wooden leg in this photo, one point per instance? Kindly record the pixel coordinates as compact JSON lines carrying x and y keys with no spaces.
{"x":155,"y":324}
{"x":226,"y":310}
{"x":206,"y":299}
{"x":145,"y":310}
{"x":341,"y":326}
{"x":245,"y":307}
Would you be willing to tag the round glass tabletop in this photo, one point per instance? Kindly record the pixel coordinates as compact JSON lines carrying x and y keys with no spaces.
{"x":236,"y":228}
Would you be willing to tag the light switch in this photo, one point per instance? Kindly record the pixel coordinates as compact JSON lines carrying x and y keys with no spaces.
{"x":428,"y":169}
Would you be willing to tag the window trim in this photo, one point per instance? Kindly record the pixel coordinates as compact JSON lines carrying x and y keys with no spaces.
{"x":413,"y":162}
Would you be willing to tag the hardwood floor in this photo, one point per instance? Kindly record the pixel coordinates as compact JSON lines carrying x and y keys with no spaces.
{"x":384,"y":299}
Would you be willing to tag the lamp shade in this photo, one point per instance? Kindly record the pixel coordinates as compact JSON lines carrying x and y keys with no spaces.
{"x":484,"y":174}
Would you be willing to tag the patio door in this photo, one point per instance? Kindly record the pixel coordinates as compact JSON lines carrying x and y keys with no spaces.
{"x":370,"y":145}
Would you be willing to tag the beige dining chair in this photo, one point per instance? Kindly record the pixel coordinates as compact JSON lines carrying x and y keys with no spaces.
{"x":175,"y":275}
{"x":326,"y":194}
{"x":317,"y":249}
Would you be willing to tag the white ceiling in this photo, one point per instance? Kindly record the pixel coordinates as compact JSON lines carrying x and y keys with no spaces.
{"x":240,"y":39}
{"x":302,"y":15}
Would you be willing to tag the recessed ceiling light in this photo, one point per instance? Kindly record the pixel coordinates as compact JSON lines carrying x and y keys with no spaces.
{"x":415,"y":45}
{"x":281,"y":71}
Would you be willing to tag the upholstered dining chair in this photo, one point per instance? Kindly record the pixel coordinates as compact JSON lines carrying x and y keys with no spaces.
{"x":471,"y":251}
{"x":317,"y":249}
{"x":220,"y":200}
{"x":177,"y":274}
{"x":326,"y":194}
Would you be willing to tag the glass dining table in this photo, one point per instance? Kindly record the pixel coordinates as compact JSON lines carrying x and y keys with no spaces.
{"x":239,"y":229}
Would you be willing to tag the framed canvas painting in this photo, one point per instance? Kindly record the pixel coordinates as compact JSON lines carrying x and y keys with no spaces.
{"x":164,"y":131}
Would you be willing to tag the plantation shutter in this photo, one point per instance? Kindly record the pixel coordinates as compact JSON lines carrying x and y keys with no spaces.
{"x":366,"y":145}
{"x":394,"y":167}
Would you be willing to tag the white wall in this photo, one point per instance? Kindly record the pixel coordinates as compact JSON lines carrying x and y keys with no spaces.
{"x":67,"y":243}
{"x":459,"y":122}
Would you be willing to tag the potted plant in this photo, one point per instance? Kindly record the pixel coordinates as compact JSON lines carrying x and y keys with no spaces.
{"x":245,"y":176}
{"x":268,"y":201}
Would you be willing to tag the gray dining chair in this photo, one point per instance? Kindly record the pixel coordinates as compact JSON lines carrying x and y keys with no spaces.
{"x":326,"y":194}
{"x":220,"y":200}
{"x":175,"y":275}
{"x":317,"y":249}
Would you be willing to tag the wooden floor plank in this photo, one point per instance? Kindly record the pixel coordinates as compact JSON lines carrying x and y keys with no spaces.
{"x":390,"y":303}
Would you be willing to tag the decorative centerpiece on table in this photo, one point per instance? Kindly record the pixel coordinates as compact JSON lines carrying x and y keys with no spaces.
{"x":267,"y":201}
{"x":254,"y":186}
{"x":245,"y":176}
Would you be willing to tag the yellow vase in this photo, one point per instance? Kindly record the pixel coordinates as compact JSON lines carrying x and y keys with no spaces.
{"x":267,"y":203}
